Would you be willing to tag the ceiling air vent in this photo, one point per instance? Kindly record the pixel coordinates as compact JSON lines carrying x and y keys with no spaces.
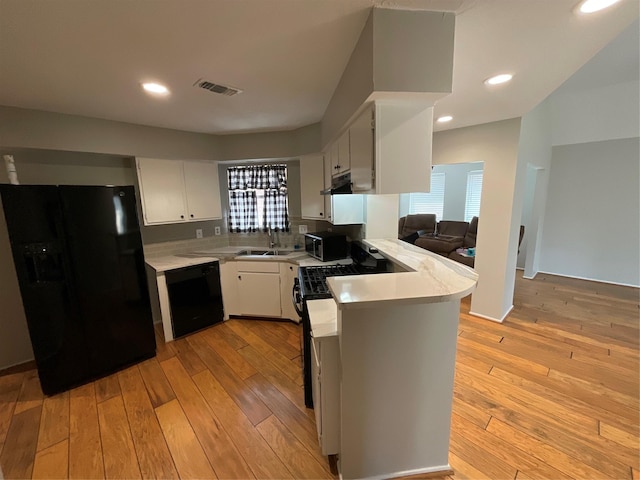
{"x":215,"y":88}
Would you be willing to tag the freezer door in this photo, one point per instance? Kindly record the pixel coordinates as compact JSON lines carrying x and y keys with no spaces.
{"x":34,"y":222}
{"x":108,"y":267}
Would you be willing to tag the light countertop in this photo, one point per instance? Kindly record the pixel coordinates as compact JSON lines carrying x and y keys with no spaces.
{"x":431,"y":279}
{"x":181,"y":260}
{"x":323,"y":317}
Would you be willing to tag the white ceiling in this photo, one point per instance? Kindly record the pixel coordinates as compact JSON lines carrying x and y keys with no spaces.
{"x":89,"y":57}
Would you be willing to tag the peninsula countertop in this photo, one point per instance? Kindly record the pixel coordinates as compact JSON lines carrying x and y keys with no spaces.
{"x":430,"y":278}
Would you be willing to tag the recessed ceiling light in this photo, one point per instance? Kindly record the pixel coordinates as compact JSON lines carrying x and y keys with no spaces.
{"x":498,"y":79}
{"x":155,"y":88}
{"x":590,"y":6}
{"x":444,"y":119}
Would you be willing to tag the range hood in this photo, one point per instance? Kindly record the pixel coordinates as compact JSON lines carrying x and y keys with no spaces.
{"x":339,"y":185}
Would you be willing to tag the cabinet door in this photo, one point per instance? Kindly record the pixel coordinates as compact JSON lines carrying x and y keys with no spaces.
{"x":311,"y":182}
{"x":162,"y":190}
{"x":260,"y":294}
{"x":335,"y":158}
{"x":347,"y":209}
{"x":361,"y":148}
{"x":344,"y":153}
{"x":202,"y":190}
{"x":288,"y":273}
{"x":327,"y":184}
{"x":229,"y":284}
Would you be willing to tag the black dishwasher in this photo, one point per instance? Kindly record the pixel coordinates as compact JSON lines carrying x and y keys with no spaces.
{"x":195,"y":297}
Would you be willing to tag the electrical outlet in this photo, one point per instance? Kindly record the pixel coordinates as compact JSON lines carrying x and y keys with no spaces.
{"x":302,"y":229}
{"x":198,"y":233}
{"x":217,"y":230}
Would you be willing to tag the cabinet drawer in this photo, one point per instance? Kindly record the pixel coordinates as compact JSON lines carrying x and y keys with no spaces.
{"x":259,"y":267}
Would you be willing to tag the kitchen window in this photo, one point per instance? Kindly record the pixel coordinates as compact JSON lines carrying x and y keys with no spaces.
{"x":258,"y":198}
{"x":474,"y":193}
{"x":432,"y":202}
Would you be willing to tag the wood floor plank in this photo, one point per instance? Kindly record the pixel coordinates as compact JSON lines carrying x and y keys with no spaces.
{"x":52,"y":462}
{"x":545,"y":387}
{"x":233,"y":339}
{"x":19,"y":451}
{"x":288,"y":367}
{"x":480,"y":458}
{"x":158,"y":388}
{"x":567,"y":431}
{"x":54,"y":424}
{"x":287,"y":387}
{"x":464,"y":470}
{"x":265,"y":330}
{"x":10,"y":386}
{"x":297,"y":458}
{"x":120,"y":460}
{"x":238,"y":364}
{"x":107,"y":387}
{"x":189,"y":458}
{"x":259,"y":456}
{"x":85,"y":445}
{"x":505,"y":451}
{"x":222,"y":453}
{"x":470,"y":413}
{"x":248,"y":401}
{"x":301,"y":425}
{"x":189,"y":359}
{"x":152,"y":452}
{"x":552,"y":456}
{"x":620,"y":436}
{"x":30,"y":393}
{"x":627,"y":400}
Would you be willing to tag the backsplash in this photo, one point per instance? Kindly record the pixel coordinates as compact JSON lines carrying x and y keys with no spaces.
{"x":284,"y":240}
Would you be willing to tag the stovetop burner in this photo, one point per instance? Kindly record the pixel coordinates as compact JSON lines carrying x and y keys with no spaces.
{"x":313,"y":278}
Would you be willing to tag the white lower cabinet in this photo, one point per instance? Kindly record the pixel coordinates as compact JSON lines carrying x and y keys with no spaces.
{"x":288,"y":274}
{"x":229,"y":284}
{"x":325,"y":372}
{"x":326,"y":392}
{"x":259,"y":288}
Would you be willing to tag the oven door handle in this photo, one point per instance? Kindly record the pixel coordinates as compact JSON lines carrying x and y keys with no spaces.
{"x":296,"y":298}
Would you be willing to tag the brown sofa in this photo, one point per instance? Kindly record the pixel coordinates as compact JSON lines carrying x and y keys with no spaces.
{"x":412,"y":226}
{"x":447,"y":237}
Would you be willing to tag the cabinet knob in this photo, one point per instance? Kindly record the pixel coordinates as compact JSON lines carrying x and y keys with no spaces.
{"x":321,"y":214}
{"x":181,"y":216}
{"x":191,"y":215}
{"x":239,"y":277}
{"x":291,"y":268}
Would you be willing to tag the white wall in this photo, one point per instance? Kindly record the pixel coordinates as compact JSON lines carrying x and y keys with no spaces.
{"x":592,"y":115}
{"x":592,"y":226}
{"x":500,"y":210}
{"x":535,"y":153}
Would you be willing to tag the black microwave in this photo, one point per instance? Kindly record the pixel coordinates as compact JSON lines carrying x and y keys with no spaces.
{"x":326,"y":246}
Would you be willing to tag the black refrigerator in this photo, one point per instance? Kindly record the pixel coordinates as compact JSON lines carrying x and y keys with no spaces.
{"x":78,"y":256}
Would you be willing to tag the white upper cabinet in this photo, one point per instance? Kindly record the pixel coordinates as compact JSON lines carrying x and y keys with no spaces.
{"x":341,"y":155}
{"x":162,"y":190}
{"x":361,"y":149}
{"x":311,"y":183}
{"x":174,"y":191}
{"x":203,"y":190}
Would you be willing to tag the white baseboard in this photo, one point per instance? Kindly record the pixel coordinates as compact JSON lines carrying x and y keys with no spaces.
{"x":4,"y":367}
{"x":486,"y":317}
{"x":405,"y":473}
{"x":530,"y":278}
{"x":590,"y":279}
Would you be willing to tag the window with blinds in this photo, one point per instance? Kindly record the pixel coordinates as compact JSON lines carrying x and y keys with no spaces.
{"x":432,"y":202}
{"x":474,"y":193}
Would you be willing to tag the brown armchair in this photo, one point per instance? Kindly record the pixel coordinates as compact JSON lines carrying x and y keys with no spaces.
{"x":409,"y":226}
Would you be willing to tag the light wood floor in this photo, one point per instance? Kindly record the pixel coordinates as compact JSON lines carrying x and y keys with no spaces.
{"x":550,"y":393}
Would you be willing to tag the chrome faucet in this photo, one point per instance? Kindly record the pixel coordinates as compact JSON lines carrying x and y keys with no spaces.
{"x":271,"y":235}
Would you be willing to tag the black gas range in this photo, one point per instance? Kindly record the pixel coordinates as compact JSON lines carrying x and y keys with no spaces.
{"x":311,"y":284}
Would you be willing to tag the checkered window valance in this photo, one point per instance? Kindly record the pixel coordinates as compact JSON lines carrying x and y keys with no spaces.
{"x":258,"y":198}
